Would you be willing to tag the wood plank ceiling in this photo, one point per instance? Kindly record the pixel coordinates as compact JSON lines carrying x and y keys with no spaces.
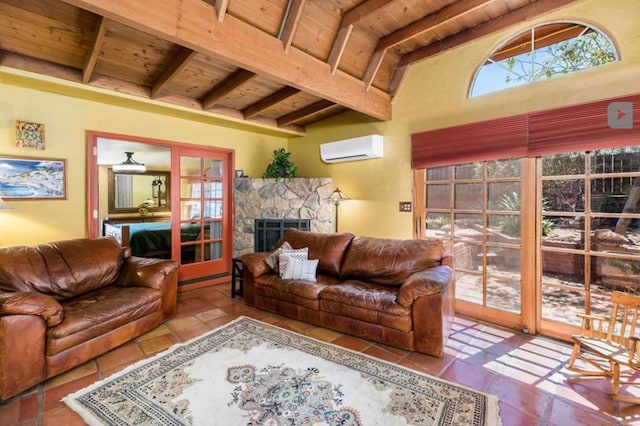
{"x":280,"y":63}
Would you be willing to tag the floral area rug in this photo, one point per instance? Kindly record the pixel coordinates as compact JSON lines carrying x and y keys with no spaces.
{"x":251,"y":373}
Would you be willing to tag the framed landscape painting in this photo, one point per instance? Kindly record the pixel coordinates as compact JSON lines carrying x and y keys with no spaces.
{"x":30,"y":178}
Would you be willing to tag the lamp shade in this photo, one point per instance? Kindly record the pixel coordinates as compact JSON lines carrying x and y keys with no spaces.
{"x":4,"y":205}
{"x":129,"y":165}
{"x":338,"y":195}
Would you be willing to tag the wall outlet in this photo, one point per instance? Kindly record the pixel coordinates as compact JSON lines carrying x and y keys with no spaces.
{"x":405,"y":206}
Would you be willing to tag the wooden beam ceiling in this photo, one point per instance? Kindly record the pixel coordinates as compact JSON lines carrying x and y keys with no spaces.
{"x":226,"y":86}
{"x":349,"y":19}
{"x":291,"y":21}
{"x":269,"y":101}
{"x":193,"y":24}
{"x":305,"y":112}
{"x":175,"y":67}
{"x":522,"y":14}
{"x":200,"y":54}
{"x":428,"y":23}
{"x":94,"y":49}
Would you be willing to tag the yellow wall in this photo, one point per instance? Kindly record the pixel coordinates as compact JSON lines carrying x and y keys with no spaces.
{"x":434,"y":95}
{"x":66,"y":121}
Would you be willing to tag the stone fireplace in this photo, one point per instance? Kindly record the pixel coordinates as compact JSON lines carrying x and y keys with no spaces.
{"x":284,"y":199}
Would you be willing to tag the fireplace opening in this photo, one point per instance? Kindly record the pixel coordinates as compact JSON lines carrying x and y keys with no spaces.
{"x":267,"y":232}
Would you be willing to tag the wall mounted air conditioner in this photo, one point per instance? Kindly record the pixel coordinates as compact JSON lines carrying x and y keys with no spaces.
{"x":361,"y":148}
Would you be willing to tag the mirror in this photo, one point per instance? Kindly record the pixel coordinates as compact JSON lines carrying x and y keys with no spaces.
{"x":130,"y":191}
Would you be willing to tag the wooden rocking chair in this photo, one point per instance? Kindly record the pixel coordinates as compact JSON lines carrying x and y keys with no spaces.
{"x":607,"y":350}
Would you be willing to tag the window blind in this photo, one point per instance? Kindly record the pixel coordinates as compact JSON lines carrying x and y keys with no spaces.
{"x":584,"y":127}
{"x":580,"y":127}
{"x":499,"y":138}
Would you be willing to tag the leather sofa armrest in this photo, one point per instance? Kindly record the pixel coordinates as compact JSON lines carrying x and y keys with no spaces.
{"x":26,"y":303}
{"x":255,"y":264}
{"x":424,"y":283}
{"x":146,"y":272}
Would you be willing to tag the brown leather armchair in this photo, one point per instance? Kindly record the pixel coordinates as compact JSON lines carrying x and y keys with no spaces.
{"x":64,"y":303}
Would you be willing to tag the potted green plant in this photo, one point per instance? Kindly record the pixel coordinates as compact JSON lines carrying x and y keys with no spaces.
{"x":281,"y":166}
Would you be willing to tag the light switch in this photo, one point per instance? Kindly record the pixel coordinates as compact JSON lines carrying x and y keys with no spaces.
{"x":405,"y":206}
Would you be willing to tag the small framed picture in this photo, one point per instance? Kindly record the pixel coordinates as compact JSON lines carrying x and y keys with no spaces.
{"x":29,"y":135}
{"x":239,"y":173}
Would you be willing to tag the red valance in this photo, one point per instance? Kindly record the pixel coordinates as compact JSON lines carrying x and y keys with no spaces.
{"x":580,"y":127}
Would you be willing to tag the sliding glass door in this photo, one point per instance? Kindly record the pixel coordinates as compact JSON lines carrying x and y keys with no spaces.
{"x":477,"y":209}
{"x":592,"y":247}
{"x":537,"y":241}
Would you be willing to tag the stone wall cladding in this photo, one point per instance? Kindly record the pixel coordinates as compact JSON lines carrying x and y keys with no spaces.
{"x":294,"y":198}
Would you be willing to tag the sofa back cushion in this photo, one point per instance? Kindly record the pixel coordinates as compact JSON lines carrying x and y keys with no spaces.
{"x":329,"y":249}
{"x":390,"y":262}
{"x":62,"y":269}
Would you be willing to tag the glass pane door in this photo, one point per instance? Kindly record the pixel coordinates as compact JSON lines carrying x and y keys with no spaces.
{"x":591,"y":233}
{"x":204,"y":206}
{"x":476,"y":208}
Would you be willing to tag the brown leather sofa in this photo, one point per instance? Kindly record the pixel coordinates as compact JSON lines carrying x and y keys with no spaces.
{"x":396,"y":292}
{"x":64,"y":303}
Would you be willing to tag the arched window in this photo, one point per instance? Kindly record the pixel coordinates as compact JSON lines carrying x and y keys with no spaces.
{"x":542,"y":52}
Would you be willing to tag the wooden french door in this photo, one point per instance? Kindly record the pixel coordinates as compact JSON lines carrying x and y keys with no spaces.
{"x":204,"y":214}
{"x":477,"y":210}
{"x":537,"y":241}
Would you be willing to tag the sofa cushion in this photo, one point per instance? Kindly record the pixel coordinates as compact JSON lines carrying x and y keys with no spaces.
{"x":96,"y":313}
{"x":365,"y":295}
{"x":366,"y":302}
{"x":63,"y":269}
{"x":303,"y":293}
{"x":389,"y":262}
{"x":328,"y":248}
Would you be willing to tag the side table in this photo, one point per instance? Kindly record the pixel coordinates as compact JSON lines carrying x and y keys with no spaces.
{"x":237,"y":277}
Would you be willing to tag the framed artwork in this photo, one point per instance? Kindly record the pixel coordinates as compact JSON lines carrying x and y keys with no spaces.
{"x":30,"y":178}
{"x":29,"y":135}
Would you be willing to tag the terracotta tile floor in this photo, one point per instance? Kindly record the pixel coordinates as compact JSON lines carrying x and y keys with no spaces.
{"x":526,"y":372}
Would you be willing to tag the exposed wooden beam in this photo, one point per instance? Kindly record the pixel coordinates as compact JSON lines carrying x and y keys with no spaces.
{"x":125,"y":91}
{"x":94,"y":49}
{"x":226,"y":86}
{"x":221,"y":9}
{"x":304,"y":112}
{"x":421,"y":26}
{"x":25,"y":63}
{"x":364,"y":9}
{"x":374,"y":66}
{"x":269,"y":101}
{"x":290,"y":25}
{"x":181,"y":60}
{"x":349,"y":19}
{"x":522,"y":14}
{"x":339,"y":44}
{"x":398,"y":78}
{"x":430,"y":22}
{"x":191,"y":23}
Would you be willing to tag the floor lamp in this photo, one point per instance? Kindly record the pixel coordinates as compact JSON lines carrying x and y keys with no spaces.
{"x":338,"y":196}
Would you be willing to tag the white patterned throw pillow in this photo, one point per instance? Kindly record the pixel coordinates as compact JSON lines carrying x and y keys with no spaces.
{"x":285,"y":256}
{"x":299,"y":269}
